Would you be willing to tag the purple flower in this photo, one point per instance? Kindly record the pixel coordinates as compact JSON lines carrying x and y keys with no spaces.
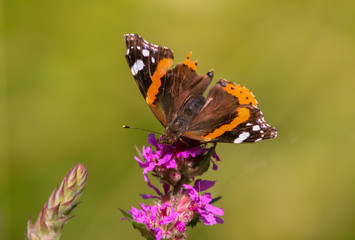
{"x":171,"y":162}
{"x":176,"y":166}
{"x":154,"y":217}
{"x":159,"y":157}
{"x":203,"y":185}
{"x":215,"y":156}
{"x":153,"y":159}
{"x":180,"y":226}
{"x":200,"y":204}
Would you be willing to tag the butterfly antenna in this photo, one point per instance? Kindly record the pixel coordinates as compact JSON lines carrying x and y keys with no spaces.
{"x":125,"y":126}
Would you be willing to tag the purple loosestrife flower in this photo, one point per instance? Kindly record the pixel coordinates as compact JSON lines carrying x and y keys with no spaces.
{"x":156,"y":218}
{"x":169,"y":217}
{"x":178,"y":163}
{"x":180,"y":226}
{"x":200,"y":205}
{"x":179,"y":205}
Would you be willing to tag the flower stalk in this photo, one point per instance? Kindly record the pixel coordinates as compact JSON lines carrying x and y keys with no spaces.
{"x":55,"y":212}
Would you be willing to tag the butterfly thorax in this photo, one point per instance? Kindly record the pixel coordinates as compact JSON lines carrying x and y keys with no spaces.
{"x":180,"y":120}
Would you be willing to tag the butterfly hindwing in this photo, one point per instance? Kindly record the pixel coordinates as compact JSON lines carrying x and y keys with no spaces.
{"x":230,"y":115}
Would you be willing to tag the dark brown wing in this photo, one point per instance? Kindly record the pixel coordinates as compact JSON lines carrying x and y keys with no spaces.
{"x":180,"y":85}
{"x":230,"y":114}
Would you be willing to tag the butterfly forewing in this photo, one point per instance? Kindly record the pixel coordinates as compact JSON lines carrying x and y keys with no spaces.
{"x":149,"y":64}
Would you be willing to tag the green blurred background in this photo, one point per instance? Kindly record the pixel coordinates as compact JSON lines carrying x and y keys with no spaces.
{"x":66,"y":90}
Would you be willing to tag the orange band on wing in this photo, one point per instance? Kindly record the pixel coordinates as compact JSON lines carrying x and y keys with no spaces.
{"x":243,"y":115}
{"x":244,"y":95}
{"x":153,"y":89}
{"x":190,"y":64}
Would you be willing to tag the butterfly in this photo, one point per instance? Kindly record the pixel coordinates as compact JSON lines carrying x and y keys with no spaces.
{"x":228,"y":113}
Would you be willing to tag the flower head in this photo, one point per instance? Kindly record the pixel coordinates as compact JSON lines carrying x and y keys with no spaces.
{"x":63,"y":200}
{"x":200,"y":204}
{"x":177,"y":163}
{"x":179,"y":204}
{"x":156,"y":218}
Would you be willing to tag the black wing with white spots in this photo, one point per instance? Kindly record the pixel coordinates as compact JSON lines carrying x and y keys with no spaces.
{"x":143,"y":58}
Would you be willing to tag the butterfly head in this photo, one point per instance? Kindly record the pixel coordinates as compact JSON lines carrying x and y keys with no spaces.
{"x":173,"y":132}
{"x":167,"y":140}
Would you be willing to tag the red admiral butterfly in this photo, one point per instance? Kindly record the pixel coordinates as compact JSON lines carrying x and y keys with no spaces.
{"x":229,"y":113}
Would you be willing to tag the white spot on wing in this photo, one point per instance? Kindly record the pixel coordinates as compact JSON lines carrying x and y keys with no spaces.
{"x":138,"y":47}
{"x":242,"y":137}
{"x":145,"y":53}
{"x":153,"y":60}
{"x":248,"y":124}
{"x":127,"y":51}
{"x":137,"y":66}
{"x":256,"y":128}
{"x":259,"y":139}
